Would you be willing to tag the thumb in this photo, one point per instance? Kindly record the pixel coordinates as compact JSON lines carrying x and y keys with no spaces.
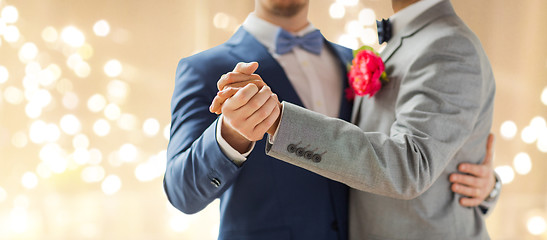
{"x":489,"y":150}
{"x":246,"y":68}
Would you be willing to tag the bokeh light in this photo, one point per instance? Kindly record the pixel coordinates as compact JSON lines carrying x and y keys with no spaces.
{"x":29,"y":180}
{"x":73,"y":36}
{"x":508,"y":130}
{"x":19,"y":139}
{"x":167,"y":132}
{"x":367,"y":17}
{"x":113,"y":68}
{"x":95,"y":156}
{"x":81,"y":156}
{"x":117,"y":91}
{"x":11,"y":34}
{"x":101,"y":127}
{"x":101,"y":28}
{"x":92,"y":174}
{"x":337,"y":10}
{"x":111,"y":184}
{"x":13,"y":95}
{"x":128,"y":152}
{"x":80,"y":141}
{"x":221,"y":20}
{"x":536,"y":225}
{"x":70,"y":100}
{"x":128,"y":122}
{"x":151,"y":127}
{"x":528,"y":135}
{"x":506,"y":173}
{"x":10,"y":14}
{"x":522,"y":163}
{"x":28,"y":52}
{"x":82,"y":69}
{"x":96,"y":103}
{"x":70,"y":124}
{"x":348,"y":41}
{"x":49,"y":34}
{"x":368,"y":36}
{"x":112,"y":111}
{"x":4,"y":74}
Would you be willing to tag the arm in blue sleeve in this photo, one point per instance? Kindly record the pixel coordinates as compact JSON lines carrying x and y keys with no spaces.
{"x":197,"y":170}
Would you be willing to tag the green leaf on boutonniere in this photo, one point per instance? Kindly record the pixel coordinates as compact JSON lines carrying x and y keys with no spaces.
{"x":383,"y":78}
{"x":365,"y":47}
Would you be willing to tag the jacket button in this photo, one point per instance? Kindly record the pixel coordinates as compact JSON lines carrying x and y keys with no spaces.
{"x":291,"y":148}
{"x":308,"y":154}
{"x":300,"y":152}
{"x":215,"y":182}
{"x":316,"y":158}
{"x":334,"y":225}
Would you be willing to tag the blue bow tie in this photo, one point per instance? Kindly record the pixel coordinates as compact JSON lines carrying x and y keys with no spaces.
{"x":384,"y":30}
{"x":311,"y":42}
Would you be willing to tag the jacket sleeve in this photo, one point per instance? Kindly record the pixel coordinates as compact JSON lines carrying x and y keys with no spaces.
{"x":437,"y":108}
{"x":197,"y":170}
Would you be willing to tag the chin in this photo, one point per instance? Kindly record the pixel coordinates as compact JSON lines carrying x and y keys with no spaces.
{"x":286,"y":8}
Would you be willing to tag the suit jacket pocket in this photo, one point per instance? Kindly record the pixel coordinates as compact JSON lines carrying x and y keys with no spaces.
{"x":266,"y":234}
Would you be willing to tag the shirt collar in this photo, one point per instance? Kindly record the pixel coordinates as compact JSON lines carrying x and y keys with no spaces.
{"x":266,"y":32}
{"x":402,"y":18}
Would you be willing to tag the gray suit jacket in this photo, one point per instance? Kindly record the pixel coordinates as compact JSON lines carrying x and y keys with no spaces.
{"x":435,"y":113}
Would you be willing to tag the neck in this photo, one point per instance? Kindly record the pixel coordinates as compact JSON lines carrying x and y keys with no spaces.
{"x":291,"y":24}
{"x":399,"y":5}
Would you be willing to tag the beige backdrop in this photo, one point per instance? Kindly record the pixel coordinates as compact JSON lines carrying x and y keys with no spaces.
{"x":83,"y":111}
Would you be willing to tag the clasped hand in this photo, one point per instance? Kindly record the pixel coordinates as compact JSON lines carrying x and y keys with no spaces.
{"x":248,"y":105}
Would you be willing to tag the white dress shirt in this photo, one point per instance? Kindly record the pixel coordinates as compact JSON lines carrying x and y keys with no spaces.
{"x":316,"y":78}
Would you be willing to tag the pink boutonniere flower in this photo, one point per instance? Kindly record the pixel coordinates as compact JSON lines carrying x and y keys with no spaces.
{"x":366,"y":74}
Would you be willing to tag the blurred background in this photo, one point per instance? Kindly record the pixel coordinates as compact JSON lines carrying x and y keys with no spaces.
{"x":85,"y":88}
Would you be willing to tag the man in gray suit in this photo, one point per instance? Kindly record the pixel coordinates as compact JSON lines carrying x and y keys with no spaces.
{"x":434,"y":114}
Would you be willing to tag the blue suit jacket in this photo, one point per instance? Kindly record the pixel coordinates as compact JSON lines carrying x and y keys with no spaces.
{"x":264,"y":198}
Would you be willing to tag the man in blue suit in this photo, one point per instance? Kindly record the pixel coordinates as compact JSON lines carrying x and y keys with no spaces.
{"x":261,"y":198}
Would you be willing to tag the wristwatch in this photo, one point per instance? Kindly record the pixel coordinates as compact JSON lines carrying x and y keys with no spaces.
{"x":496,"y":191}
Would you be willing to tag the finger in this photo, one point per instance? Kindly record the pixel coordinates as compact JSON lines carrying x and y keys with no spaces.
{"x":258,"y":83}
{"x":234,"y":77}
{"x":470,"y":202}
{"x":466,"y":191}
{"x":246,"y":68}
{"x":220,"y":98}
{"x":263,"y":112}
{"x":269,"y":121}
{"x":475,"y":169}
{"x":255,"y":103}
{"x":468,"y":180}
{"x":489,"y":150}
{"x":241,"y":98}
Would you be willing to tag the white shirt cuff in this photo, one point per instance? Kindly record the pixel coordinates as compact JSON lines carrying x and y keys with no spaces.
{"x":271,"y":139}
{"x":228,"y":150}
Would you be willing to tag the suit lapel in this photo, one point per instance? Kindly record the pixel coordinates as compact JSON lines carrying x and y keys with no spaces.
{"x":344,"y":55}
{"x":247,"y":49}
{"x":439,"y":10}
